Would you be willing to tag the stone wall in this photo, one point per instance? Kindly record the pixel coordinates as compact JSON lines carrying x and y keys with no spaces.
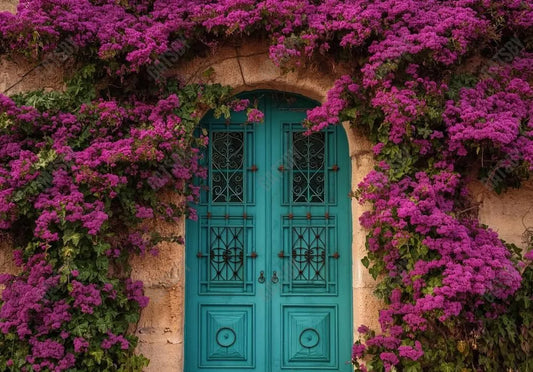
{"x":509,"y":214}
{"x":18,"y":74}
{"x":8,"y":5}
{"x":160,"y":328}
{"x":7,"y":265}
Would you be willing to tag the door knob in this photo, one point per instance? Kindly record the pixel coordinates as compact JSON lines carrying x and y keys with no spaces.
{"x":275,"y":278}
{"x":261,"y":278}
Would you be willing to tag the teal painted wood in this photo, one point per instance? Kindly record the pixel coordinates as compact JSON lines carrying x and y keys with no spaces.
{"x":268,"y":284}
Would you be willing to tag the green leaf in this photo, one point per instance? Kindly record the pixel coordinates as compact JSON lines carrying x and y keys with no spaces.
{"x":350,"y":113}
{"x":72,"y":237}
{"x":5,"y":121}
{"x":416,"y":367}
{"x":447,"y":367}
{"x":45,"y":156}
{"x":376,"y":270}
{"x":97,"y":355}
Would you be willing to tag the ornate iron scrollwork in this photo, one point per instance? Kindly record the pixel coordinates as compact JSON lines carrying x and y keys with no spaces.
{"x":308,"y":164}
{"x":227,"y":164}
{"x":226,"y":254}
{"x":308,"y":253}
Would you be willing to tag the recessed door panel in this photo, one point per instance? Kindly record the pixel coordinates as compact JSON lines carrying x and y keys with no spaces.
{"x":226,"y":332}
{"x":309,"y":336}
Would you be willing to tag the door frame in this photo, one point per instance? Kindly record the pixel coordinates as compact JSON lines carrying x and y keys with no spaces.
{"x":243,"y":67}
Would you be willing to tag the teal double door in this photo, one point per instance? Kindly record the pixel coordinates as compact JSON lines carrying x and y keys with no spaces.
{"x":268,"y":284}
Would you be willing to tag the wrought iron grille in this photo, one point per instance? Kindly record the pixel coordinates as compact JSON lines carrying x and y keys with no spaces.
{"x":308,"y":253}
{"x":308,"y":166}
{"x":226,"y":259}
{"x":227,"y":167}
{"x":309,"y":256}
{"x":226,"y":256}
{"x":225,"y":252}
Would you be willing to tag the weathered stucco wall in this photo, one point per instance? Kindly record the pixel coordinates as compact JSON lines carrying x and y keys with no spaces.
{"x":248,"y":67}
{"x":7,"y":265}
{"x":365,"y":304}
{"x":8,"y":5}
{"x":509,"y":214}
{"x":160,"y":328}
{"x":20,"y":75}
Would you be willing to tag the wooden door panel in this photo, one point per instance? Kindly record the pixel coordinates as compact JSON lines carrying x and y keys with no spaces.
{"x":268,"y":282}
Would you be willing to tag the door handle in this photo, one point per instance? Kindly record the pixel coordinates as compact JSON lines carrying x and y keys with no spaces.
{"x":275,"y":278}
{"x":261,"y":278}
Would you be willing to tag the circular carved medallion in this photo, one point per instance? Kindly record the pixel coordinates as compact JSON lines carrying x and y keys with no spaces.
{"x":226,"y":337}
{"x":309,"y":338}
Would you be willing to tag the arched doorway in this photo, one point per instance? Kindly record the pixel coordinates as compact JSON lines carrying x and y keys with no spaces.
{"x":268,"y":284}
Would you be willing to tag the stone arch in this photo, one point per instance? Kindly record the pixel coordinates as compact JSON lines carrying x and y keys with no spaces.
{"x":244,"y":68}
{"x":248,"y":67}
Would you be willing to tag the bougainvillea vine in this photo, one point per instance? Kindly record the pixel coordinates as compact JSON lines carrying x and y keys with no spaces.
{"x":438,"y":86}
